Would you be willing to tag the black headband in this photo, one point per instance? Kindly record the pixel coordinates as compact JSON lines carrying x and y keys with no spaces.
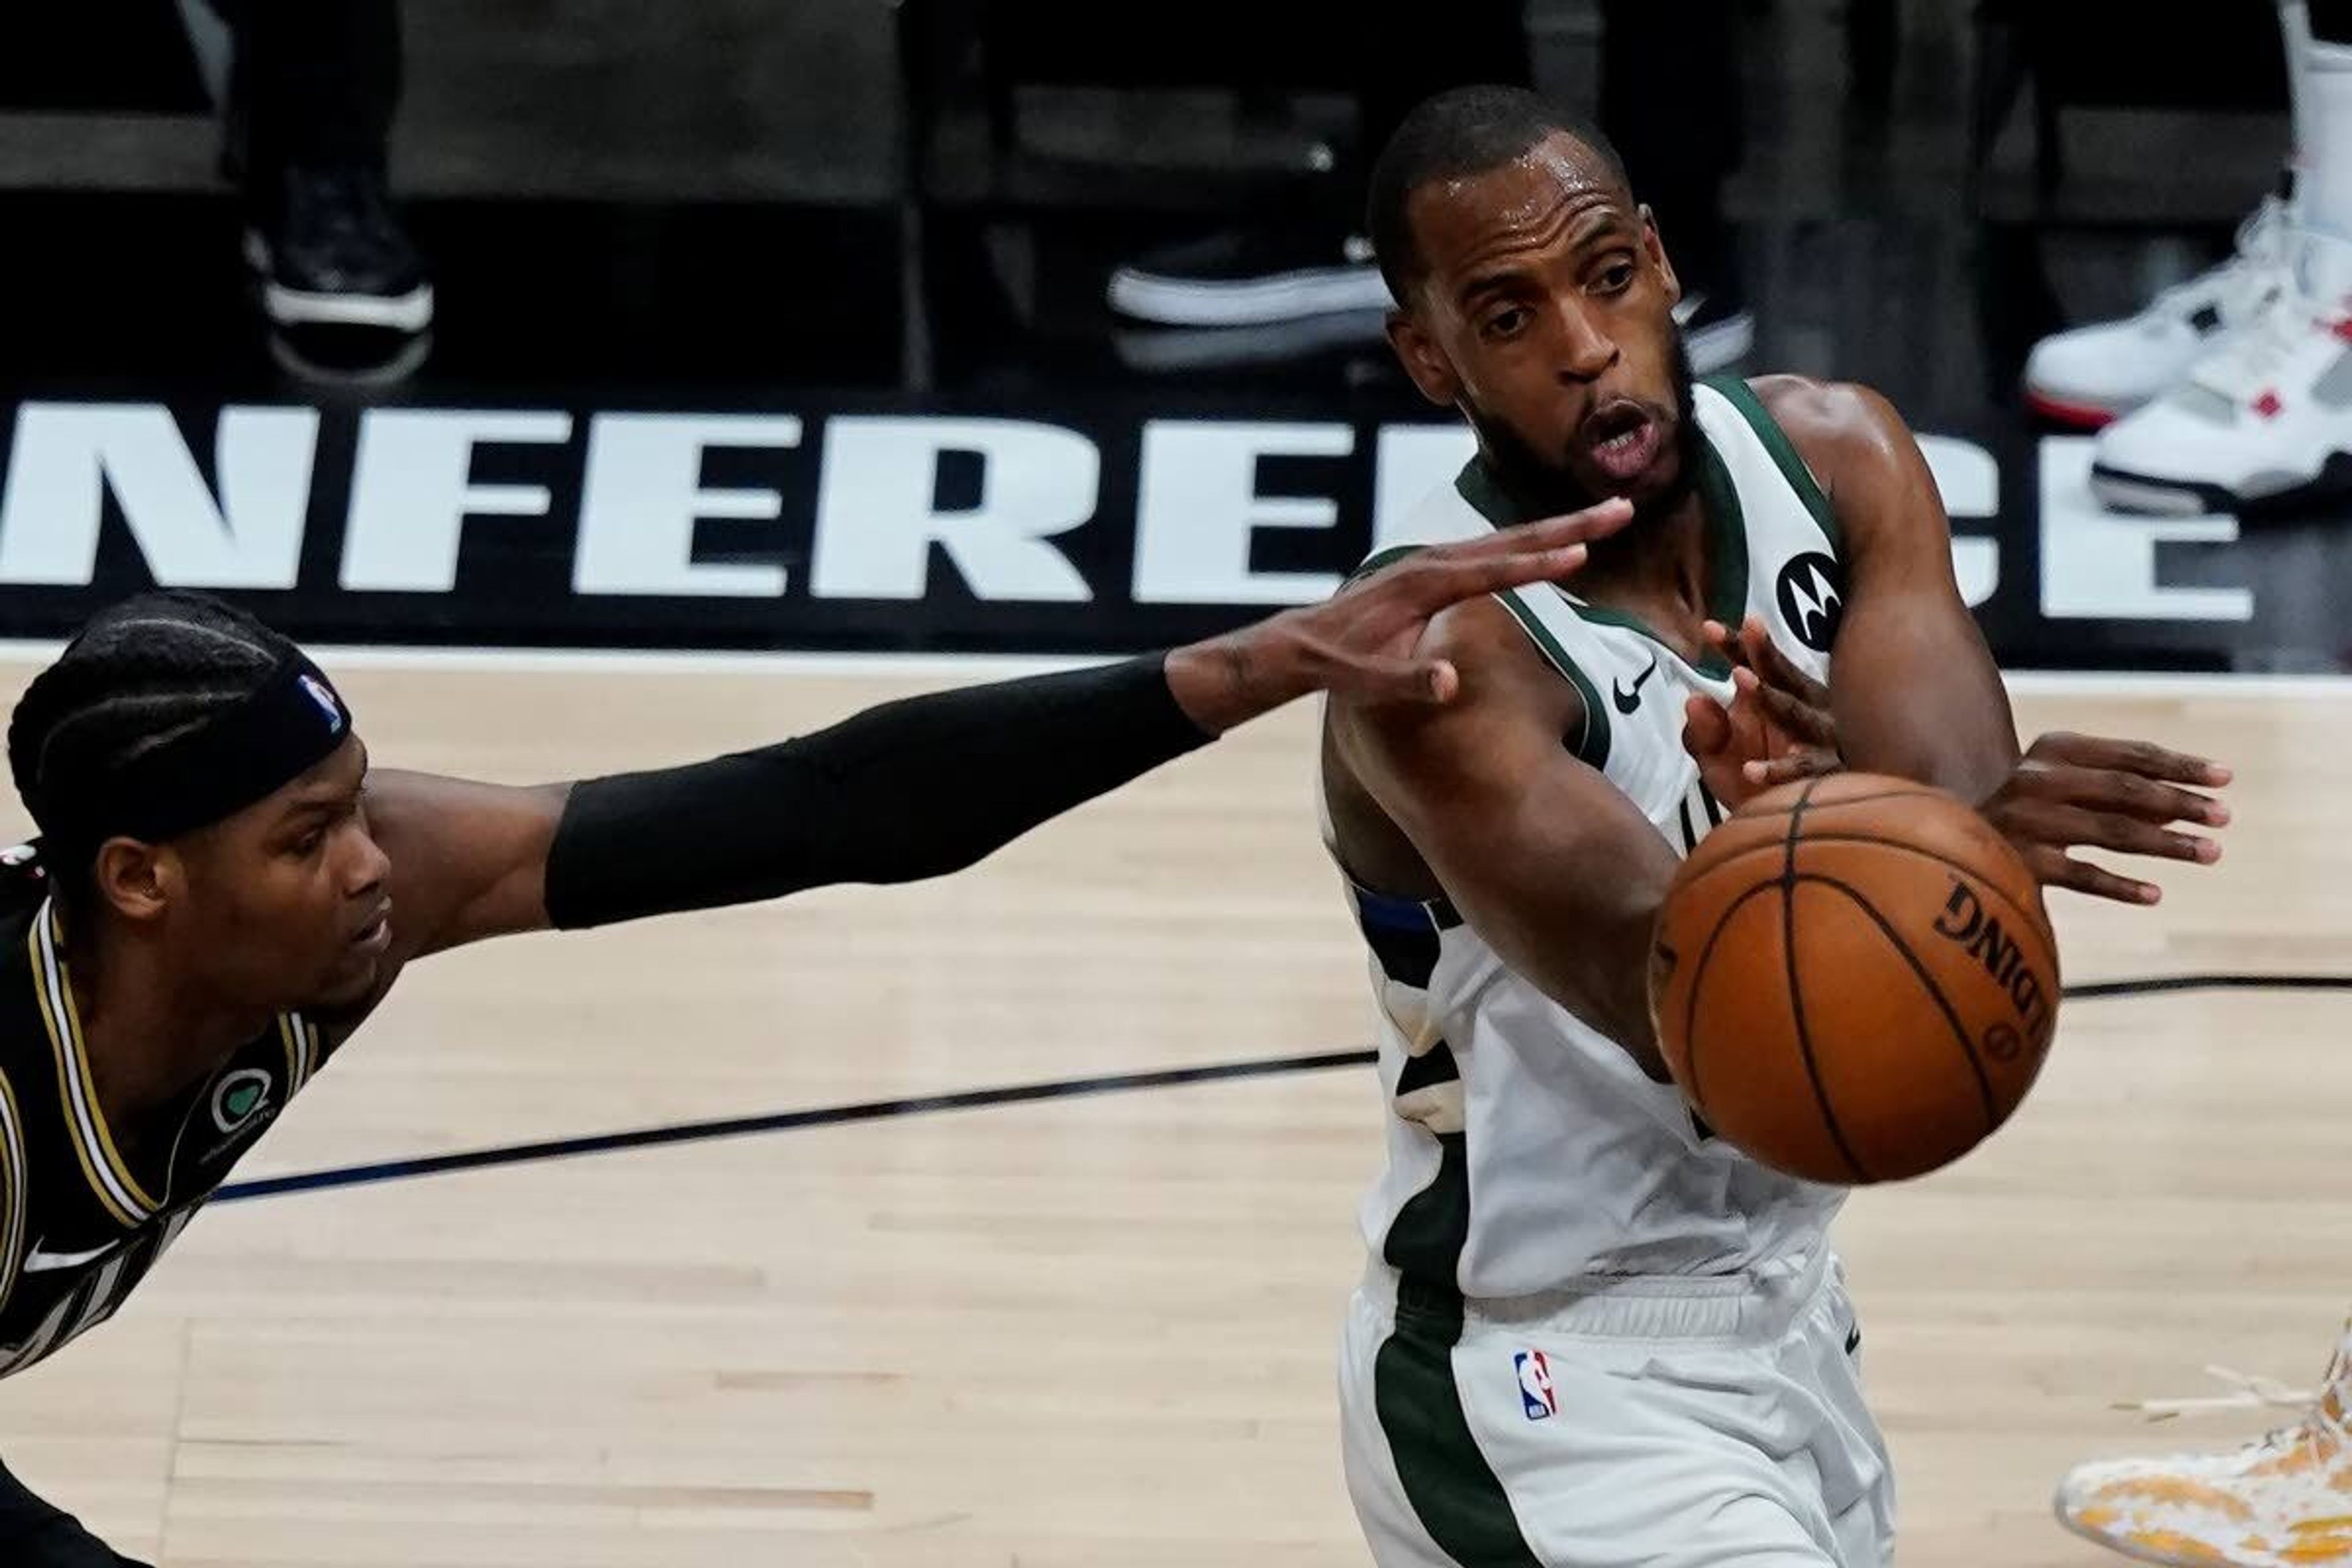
{"x":289,"y":723}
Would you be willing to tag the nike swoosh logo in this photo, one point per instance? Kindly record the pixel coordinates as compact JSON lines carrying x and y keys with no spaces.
{"x":39,"y":1262}
{"x":1628,"y":698}
{"x":1853,"y":1341}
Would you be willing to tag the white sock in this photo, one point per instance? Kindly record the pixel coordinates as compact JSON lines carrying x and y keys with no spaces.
{"x":2323,"y":95}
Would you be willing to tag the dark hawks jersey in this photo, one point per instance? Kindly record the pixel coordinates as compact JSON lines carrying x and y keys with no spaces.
{"x":79,"y":1224}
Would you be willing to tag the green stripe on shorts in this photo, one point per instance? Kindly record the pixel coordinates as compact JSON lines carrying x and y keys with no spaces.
{"x":1453,"y":1489}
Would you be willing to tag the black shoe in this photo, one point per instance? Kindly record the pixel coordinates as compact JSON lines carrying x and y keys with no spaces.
{"x":1249,"y":279}
{"x":330,"y":251}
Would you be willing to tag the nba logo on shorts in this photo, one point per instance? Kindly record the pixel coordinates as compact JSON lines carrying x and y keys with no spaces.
{"x":1535,"y":1385}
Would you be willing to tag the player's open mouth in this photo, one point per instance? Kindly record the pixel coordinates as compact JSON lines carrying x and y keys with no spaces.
{"x":376,"y":935}
{"x":1620,"y":438}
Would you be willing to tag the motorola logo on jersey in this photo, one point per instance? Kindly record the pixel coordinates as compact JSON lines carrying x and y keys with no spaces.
{"x":1812,"y":599}
{"x":239,"y":1098}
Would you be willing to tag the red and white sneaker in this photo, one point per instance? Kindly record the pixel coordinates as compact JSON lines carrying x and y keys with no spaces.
{"x":2264,"y":423}
{"x":2089,"y":375}
{"x":2280,"y":1501}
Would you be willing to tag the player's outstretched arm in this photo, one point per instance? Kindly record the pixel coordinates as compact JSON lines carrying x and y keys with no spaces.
{"x":1913,"y":691}
{"x":921,"y":787}
{"x":1556,"y":869}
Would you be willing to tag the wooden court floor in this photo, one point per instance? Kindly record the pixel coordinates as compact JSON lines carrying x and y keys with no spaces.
{"x":1097,"y":1331}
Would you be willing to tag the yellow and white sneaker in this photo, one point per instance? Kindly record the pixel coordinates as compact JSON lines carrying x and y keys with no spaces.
{"x":2284,"y":1500}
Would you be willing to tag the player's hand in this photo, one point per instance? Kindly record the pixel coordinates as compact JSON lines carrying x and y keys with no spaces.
{"x":1362,"y":643}
{"x":2074,"y":791}
{"x":1777,"y":728}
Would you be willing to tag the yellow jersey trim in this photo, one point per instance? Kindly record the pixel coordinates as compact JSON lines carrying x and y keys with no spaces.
{"x":13,"y":1201}
{"x":109,"y":1176}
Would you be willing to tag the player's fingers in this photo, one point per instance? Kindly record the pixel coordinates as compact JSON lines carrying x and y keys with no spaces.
{"x":2130,"y":836}
{"x":2054,"y":870}
{"x":2131,"y":794}
{"x":1431,"y":582}
{"x":1718,"y":640}
{"x":1752,"y":732}
{"x":1706,"y":728}
{"x":1805,"y":763}
{"x":1779,"y":671}
{"x":1596,"y":521}
{"x":1426,"y":680}
{"x":1801,"y":720}
{"x":2144,"y":758}
{"x":1379,"y":678}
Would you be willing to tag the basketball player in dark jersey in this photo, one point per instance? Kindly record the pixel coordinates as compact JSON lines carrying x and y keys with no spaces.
{"x":223,"y":890}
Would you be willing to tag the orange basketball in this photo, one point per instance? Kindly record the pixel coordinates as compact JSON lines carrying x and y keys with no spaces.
{"x":1853,"y":979}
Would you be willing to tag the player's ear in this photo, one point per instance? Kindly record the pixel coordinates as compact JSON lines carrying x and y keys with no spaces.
{"x":1654,"y":250}
{"x":137,"y":880}
{"x":1422,"y":360}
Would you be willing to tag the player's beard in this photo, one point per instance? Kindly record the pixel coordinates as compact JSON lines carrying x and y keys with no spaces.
{"x":1548,"y":487}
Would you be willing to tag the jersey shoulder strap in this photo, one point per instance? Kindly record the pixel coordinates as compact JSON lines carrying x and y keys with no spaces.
{"x":23,"y":1058}
{"x":1474,"y":505}
{"x":1758,"y":452}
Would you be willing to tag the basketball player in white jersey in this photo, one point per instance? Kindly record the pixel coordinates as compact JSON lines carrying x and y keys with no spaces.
{"x":1590,"y":1331}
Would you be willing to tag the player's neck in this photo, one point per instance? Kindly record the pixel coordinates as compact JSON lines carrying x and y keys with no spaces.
{"x":1659,"y":563}
{"x":152,"y":1027}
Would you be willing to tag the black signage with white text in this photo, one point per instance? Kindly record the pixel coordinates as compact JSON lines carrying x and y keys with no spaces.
{"x":851,"y":524}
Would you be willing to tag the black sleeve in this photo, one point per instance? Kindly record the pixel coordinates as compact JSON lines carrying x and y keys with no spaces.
{"x":912,"y":789}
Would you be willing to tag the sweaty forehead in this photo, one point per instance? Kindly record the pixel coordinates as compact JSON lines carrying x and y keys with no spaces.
{"x":1557,"y":189}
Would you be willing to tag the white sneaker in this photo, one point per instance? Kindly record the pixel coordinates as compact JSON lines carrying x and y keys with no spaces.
{"x":2262,"y":423}
{"x":1251,"y":278}
{"x":2284,"y":1500}
{"x":2092,"y":375}
{"x":1718,"y":332}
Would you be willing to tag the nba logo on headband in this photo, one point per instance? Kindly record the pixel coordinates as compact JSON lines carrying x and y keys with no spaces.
{"x":326,"y":702}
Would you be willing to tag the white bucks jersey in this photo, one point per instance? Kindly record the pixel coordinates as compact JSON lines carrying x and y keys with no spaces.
{"x":1525,"y":1148}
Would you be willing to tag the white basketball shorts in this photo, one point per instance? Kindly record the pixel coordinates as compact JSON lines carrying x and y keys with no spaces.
{"x":1663,"y":1422}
